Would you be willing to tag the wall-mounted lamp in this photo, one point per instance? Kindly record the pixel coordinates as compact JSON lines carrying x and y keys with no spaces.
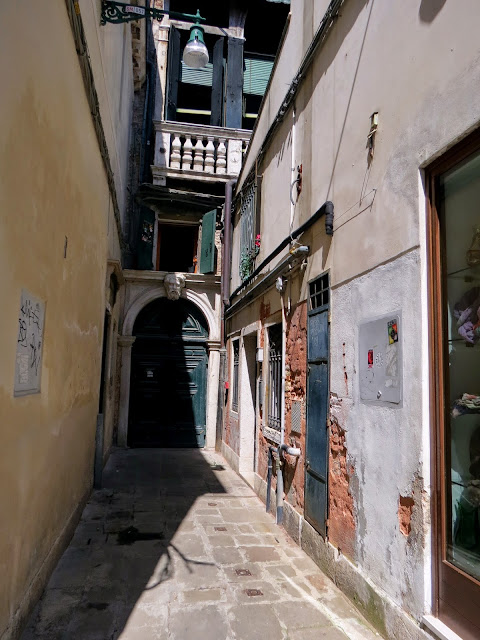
{"x":195,"y":54}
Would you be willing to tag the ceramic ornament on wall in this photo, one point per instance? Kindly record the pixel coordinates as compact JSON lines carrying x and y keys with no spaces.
{"x":28,"y":362}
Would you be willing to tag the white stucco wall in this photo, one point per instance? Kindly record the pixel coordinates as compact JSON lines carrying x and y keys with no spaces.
{"x":384,"y":441}
{"x":420,"y":70}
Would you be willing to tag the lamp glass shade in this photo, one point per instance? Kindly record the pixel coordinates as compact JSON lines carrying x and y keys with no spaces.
{"x":195,"y":54}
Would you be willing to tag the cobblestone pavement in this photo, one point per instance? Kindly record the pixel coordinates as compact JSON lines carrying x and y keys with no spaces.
{"x":178,"y":547}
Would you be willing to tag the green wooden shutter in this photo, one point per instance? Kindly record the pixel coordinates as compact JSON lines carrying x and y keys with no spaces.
{"x":207,"y":254}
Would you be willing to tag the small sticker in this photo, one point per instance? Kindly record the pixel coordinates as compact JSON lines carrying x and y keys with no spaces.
{"x":392,"y":332}
{"x":370,"y":358}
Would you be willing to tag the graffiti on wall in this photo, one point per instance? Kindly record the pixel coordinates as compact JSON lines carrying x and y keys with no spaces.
{"x":31,"y":317}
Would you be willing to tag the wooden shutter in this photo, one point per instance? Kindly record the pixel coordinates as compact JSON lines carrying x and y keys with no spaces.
{"x":216,"y":118}
{"x":173,"y":73}
{"x":207,"y":253}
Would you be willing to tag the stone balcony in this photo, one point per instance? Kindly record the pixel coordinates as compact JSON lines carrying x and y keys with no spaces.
{"x":198,"y":152}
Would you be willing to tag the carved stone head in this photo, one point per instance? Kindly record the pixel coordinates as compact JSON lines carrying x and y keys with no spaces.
{"x":173,"y":283}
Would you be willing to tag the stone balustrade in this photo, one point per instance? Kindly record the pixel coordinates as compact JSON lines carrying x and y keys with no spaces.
{"x":201,"y":152}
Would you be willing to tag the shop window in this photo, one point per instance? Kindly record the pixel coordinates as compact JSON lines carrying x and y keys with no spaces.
{"x":459,"y":192}
{"x":454,"y":184}
{"x":274,"y":393}
{"x":236,"y":358}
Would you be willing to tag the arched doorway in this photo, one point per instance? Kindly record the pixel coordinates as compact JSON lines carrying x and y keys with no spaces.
{"x":168,"y":376}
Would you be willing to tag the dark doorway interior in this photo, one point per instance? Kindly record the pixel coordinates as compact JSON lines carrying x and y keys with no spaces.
{"x":177,"y":247}
{"x":169,"y":376}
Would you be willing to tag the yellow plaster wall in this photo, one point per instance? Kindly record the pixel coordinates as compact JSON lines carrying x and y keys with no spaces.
{"x":52,"y":187}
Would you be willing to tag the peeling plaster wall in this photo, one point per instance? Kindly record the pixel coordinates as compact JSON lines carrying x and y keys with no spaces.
{"x":383,"y":443}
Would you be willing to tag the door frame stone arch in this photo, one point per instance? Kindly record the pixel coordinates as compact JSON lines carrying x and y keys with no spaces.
{"x":125,"y":343}
{"x":198,"y":299}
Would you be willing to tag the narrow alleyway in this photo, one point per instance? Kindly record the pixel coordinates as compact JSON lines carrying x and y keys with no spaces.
{"x":177,"y":546}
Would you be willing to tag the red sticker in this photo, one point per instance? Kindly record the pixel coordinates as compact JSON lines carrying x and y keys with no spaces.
{"x":370,"y":358}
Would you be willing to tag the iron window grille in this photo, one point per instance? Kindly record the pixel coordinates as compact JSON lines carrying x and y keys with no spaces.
{"x":274,"y":377}
{"x":248,"y":249}
{"x":236,"y":358}
{"x":319,"y":292}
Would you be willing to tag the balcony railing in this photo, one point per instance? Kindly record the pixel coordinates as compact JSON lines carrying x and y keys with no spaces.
{"x":197,"y":151}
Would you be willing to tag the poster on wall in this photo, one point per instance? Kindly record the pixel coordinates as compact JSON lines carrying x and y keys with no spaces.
{"x":381,"y":360}
{"x":28,"y":361}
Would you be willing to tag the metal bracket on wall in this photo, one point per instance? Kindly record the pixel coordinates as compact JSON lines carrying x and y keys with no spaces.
{"x":118,"y":12}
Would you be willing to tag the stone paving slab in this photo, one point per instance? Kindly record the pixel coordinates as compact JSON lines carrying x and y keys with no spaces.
{"x":177,"y":547}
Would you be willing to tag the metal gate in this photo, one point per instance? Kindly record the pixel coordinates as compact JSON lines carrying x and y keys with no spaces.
{"x":316,"y":463}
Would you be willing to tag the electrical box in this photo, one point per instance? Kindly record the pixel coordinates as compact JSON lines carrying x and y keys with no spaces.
{"x":381,"y":360}
{"x":259,"y":354}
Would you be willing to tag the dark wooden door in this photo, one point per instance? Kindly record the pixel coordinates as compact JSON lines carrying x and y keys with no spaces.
{"x":316,"y":461}
{"x":169,"y":377}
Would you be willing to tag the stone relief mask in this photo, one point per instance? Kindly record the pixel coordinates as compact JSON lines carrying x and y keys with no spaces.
{"x":173,"y":283}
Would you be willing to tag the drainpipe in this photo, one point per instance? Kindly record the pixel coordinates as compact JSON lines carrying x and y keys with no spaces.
{"x":284,"y":353}
{"x":292,"y":202}
{"x":292,"y":451}
{"x":269,"y":477}
{"x":227,"y":242}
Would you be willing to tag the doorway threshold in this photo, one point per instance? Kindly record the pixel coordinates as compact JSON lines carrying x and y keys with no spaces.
{"x":439,"y":629}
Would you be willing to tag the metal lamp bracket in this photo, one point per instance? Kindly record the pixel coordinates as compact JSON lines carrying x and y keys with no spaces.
{"x":118,"y":12}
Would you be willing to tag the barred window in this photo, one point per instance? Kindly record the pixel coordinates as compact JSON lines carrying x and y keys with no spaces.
{"x":275,"y":376}
{"x":236,"y":353}
{"x":319,"y":292}
{"x":248,"y":249}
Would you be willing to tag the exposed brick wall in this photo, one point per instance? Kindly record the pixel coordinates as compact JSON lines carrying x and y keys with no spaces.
{"x":341,"y":530}
{"x":295,"y":391}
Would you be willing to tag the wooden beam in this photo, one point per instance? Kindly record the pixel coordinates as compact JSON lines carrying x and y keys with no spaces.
{"x":234,"y":92}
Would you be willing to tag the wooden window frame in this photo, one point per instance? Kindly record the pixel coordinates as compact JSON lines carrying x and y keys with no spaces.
{"x":445,"y":576}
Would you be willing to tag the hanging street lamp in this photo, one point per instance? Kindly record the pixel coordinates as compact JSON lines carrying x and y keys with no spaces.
{"x":195,"y":54}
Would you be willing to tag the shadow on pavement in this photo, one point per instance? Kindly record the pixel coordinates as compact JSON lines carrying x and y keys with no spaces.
{"x":123,"y":547}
